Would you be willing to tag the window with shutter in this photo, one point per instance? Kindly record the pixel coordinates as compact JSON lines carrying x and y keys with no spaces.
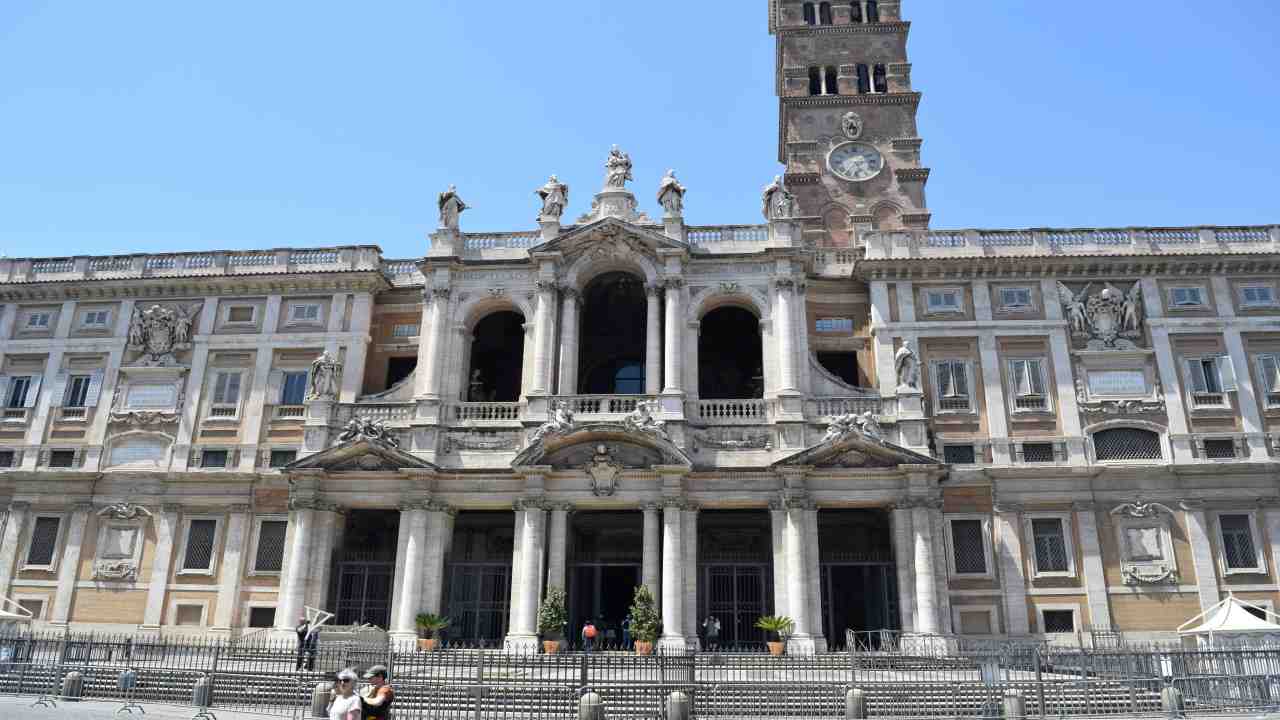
{"x":1050,"y":546}
{"x":44,"y":542}
{"x":226,"y":395}
{"x":1187,"y":297}
{"x":1210,"y":378}
{"x":1238,"y":549}
{"x":968,"y":547}
{"x":1015,"y":298}
{"x":201,"y":536}
{"x":269,"y":555}
{"x":1028,"y":381}
{"x":304,"y":313}
{"x":293,"y":390}
{"x":19,"y":388}
{"x":77,"y":393}
{"x":1257,"y":296}
{"x":953,"y":385}
{"x":1269,"y":378}
{"x":942,"y":301}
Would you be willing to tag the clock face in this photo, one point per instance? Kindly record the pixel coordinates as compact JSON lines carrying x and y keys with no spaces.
{"x":855,"y":162}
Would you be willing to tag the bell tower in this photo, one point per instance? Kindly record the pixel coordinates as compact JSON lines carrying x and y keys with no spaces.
{"x":847,"y":117}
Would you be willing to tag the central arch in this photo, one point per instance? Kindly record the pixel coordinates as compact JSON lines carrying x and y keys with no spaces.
{"x":611,"y":358}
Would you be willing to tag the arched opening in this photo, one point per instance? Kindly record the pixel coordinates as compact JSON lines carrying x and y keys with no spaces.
{"x":730,"y":356}
{"x":1127,"y":443}
{"x":496,"y":358}
{"x":611,"y":361}
{"x":824,"y":13}
{"x":832,"y":81}
{"x":810,"y":16}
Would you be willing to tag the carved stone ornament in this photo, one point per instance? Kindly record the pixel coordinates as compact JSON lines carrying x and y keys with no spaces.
{"x":907,"y":365}
{"x":864,"y":424}
{"x":1135,"y":575}
{"x":555,"y":196}
{"x":603,"y":471}
{"x":326,"y":377}
{"x":124,"y":511}
{"x":671,"y":195}
{"x":115,"y":570}
{"x":1107,"y":320}
{"x":143,"y":418}
{"x":851,"y":125}
{"x":617,"y":169}
{"x":454,"y":442}
{"x":561,"y":422}
{"x":738,"y":440}
{"x":451,"y":208}
{"x":365,"y":429}
{"x":1141,"y":509}
{"x":642,"y":419}
{"x":158,"y":332}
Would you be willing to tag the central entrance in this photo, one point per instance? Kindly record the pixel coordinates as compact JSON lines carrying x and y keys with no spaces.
{"x":735,"y":575}
{"x":478,"y":578}
{"x":366,"y":568}
{"x":611,"y":361}
{"x":859,"y":579}
{"x":606,"y":550}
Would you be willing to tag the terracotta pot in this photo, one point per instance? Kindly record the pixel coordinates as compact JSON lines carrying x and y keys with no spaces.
{"x":644,"y":648}
{"x":426,"y":644}
{"x":550,"y":647}
{"x":777,"y":648}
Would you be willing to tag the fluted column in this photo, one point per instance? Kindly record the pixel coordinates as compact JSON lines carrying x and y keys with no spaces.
{"x":13,"y":526}
{"x":672,"y":641}
{"x":786,"y":335}
{"x":542,"y":361}
{"x":413,"y":517}
{"x":926,"y":612}
{"x":651,"y":560}
{"x":292,"y":591}
{"x":652,"y":341}
{"x":675,"y":320}
{"x":557,"y":546}
{"x":793,"y":539}
{"x":569,"y":342}
{"x":434,"y":360}
{"x":69,"y":565}
{"x":689,"y":541}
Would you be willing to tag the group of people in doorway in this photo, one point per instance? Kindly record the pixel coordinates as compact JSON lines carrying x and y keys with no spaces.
{"x":605,"y":635}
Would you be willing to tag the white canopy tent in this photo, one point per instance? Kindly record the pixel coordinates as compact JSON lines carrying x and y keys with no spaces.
{"x":1233,"y":622}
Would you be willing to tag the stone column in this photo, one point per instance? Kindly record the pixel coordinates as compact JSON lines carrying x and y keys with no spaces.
{"x":672,"y":641}
{"x":926,"y":612}
{"x":437,"y":330}
{"x":813,"y":571}
{"x":903,"y":550}
{"x":1095,"y":580}
{"x":558,"y":546}
{"x":777,"y":538}
{"x":232,"y":569}
{"x":569,"y":342}
{"x":522,"y":635}
{"x":413,"y":517}
{"x":439,"y":540}
{"x":801,"y":641}
{"x":652,"y":341}
{"x":1008,"y":524}
{"x":651,"y":562}
{"x":13,"y":527}
{"x":1201,"y":554}
{"x":542,"y":360}
{"x":292,"y":591}
{"x":166,"y":531}
{"x":786,"y":335}
{"x":69,"y":565}
{"x":689,"y":538}
{"x":329,"y":525}
{"x":675,"y":334}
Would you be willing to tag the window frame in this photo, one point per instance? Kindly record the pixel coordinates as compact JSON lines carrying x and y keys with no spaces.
{"x":1255,"y":536}
{"x":1266,"y":391}
{"x":185,"y":537}
{"x":43,"y":327}
{"x":1065,"y":522}
{"x":105,"y":524}
{"x":1161,"y":522}
{"x":28,"y":400}
{"x":1226,"y":386}
{"x":173,"y":611}
{"x":29,"y":535}
{"x":251,"y":322}
{"x":104,"y":325}
{"x":1015,"y":393}
{"x":215,"y":373}
{"x":70,"y":387}
{"x":45,"y":602}
{"x":931,"y":309}
{"x":1202,"y":301}
{"x":252,"y":605}
{"x":1058,"y":607}
{"x":1007,"y":308}
{"x":988,"y":549}
{"x":284,"y":384}
{"x":967,"y":366}
{"x":292,"y":321}
{"x":417,"y":330}
{"x":992,"y":612}
{"x":218,"y":468}
{"x":253,"y":545}
{"x":1245,"y":304}
{"x":271,"y":450}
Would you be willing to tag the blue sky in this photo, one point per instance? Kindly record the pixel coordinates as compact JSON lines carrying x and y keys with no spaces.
{"x":159,"y":126}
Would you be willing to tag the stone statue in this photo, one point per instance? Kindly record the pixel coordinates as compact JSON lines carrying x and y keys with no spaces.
{"x":869,"y":426}
{"x":671,"y":195}
{"x":777,"y":203}
{"x":158,"y":332}
{"x":451,"y":207}
{"x":617,"y":169}
{"x":326,"y":377}
{"x":124,"y":510}
{"x":907,"y":365}
{"x":1131,"y":309}
{"x":555,"y":196}
{"x":1073,"y":306}
{"x":851,"y":125}
{"x":182,"y":325}
{"x":840,"y":426}
{"x":358,"y":428}
{"x":561,"y":422}
{"x":476,"y":391}
{"x":642,"y":418}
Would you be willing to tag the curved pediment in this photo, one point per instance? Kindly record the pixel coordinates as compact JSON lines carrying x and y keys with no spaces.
{"x":362,"y":454}
{"x":855,"y":449}
{"x":629,"y":448}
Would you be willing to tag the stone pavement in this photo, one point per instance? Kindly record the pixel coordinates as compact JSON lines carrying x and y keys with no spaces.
{"x":11,"y":707}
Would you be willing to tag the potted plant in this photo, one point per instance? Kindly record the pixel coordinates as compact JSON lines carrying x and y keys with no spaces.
{"x":552,"y":618}
{"x":645,"y":623}
{"x":430,"y":624}
{"x":781,"y":626}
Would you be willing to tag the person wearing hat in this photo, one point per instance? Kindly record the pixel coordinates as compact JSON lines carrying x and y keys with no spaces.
{"x":377,"y":696}
{"x":345,"y":704}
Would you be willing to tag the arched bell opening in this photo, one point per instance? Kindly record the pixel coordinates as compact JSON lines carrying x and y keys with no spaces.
{"x":612,"y":355}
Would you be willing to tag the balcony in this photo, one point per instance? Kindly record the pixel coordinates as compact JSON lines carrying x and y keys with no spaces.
{"x":603,"y":408}
{"x":727,"y":412}
{"x":832,"y":407}
{"x":74,"y":414}
{"x":17,"y":416}
{"x":289,"y":412}
{"x":485,"y":412}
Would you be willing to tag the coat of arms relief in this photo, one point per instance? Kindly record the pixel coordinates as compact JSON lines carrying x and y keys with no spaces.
{"x":1110,"y":319}
{"x":158,"y":332}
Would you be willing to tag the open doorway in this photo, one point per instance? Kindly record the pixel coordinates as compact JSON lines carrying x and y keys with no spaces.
{"x":859,"y":580}
{"x":606,"y":550}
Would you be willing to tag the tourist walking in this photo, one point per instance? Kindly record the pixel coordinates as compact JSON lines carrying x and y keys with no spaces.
{"x":377,"y":696}
{"x":589,"y":633}
{"x":307,"y":640}
{"x":344,"y":704}
{"x":711,"y":631}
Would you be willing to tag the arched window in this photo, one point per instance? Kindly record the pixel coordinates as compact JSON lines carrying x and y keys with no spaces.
{"x":824,"y":13}
{"x":494,"y":376}
{"x":815,"y":81}
{"x":810,"y":16}
{"x":855,"y":11}
{"x":881,"y":79}
{"x":730,"y":355}
{"x":629,"y":380}
{"x":833,"y":82}
{"x":1126,"y":443}
{"x":864,"y":79}
{"x":873,"y":11}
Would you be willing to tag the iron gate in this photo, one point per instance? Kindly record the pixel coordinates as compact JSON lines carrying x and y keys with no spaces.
{"x":364,"y":593}
{"x":736,"y":594}
{"x":876,"y":599}
{"x":479,"y":601}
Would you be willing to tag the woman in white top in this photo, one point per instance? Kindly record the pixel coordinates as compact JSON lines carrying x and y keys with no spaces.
{"x":346,"y":703}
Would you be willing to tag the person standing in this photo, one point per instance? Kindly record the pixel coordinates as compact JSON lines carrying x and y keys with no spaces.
{"x":377,"y":696}
{"x":711,"y":631}
{"x":626,"y":632}
{"x":345,"y":704}
{"x":307,"y":640}
{"x":589,"y":633}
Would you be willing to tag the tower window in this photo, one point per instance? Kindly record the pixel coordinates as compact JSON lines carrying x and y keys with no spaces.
{"x":833,"y":83}
{"x":864,"y":79}
{"x":815,"y":81}
{"x":873,"y":11}
{"x":855,"y":11}
{"x":881,"y":79}
{"x":810,"y":16}
{"x":824,"y":13}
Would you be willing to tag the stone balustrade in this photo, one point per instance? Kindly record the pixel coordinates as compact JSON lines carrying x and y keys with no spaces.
{"x":603,"y":407}
{"x":396,"y":413}
{"x":903,"y":244}
{"x":710,"y":235}
{"x":485,"y":412}
{"x":727,"y":412}
{"x":830,"y":407}
{"x":195,"y":264}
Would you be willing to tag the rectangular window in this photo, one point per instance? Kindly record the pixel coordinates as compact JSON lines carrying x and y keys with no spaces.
{"x":810,"y":14}
{"x":1015,"y":298}
{"x":959,"y":455}
{"x":293,"y":391}
{"x":226,"y":394}
{"x":1187,"y":297}
{"x":202,"y":535}
{"x":262,"y":617}
{"x":44,"y":542}
{"x":1210,"y":378}
{"x":975,"y":622}
{"x":305,"y":313}
{"x":1058,"y":621}
{"x":405,"y":330}
{"x":1038,"y":453}
{"x":1220,"y":449}
{"x":873,"y":11}
{"x":831,"y":81}
{"x":33,"y":606}
{"x":1050,"y":546}
{"x":281,"y":458}
{"x":38,"y":320}
{"x":19,"y":387}
{"x":1254,"y":296}
{"x":952,"y":377}
{"x":77,"y":391}
{"x":864,"y":79}
{"x":62,"y":459}
{"x":833,"y":325}
{"x":855,"y":11}
{"x":241,"y":314}
{"x":1239,"y":552}
{"x":213,"y":459}
{"x":942,"y":301}
{"x":7,"y":458}
{"x":1027,"y":377}
{"x":968,"y":547}
{"x":188,"y":615}
{"x":881,"y":78}
{"x":1269,"y":378}
{"x":268,"y":556}
{"x":95,"y":319}
{"x":815,"y":81}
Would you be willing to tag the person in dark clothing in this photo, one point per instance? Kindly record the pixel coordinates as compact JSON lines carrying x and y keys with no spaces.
{"x":377,"y":696}
{"x":307,"y":641}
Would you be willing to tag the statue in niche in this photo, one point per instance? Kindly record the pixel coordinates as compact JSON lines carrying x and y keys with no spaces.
{"x":907,"y":365}
{"x":475,"y":392}
{"x":451,"y":207}
{"x":671,"y":195}
{"x":617,"y":169}
{"x":555,"y":196}
{"x":326,"y":374}
{"x":777,"y":203}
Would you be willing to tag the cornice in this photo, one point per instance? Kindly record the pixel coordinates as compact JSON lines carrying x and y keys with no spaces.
{"x":911,"y":98}
{"x":912,"y":174}
{"x":880,"y":28}
{"x":1061,"y":267}
{"x":175,"y":287}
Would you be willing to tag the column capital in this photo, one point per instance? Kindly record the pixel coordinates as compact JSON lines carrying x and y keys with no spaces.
{"x":546,"y":286}
{"x":531,"y":503}
{"x":650,"y":507}
{"x":82,"y":507}
{"x":239,"y":508}
{"x":678,"y":502}
{"x":672,"y":282}
{"x":170,"y":508}
{"x":19,"y":506}
{"x":570,"y":293}
{"x":1003,"y":508}
{"x":1191,"y":504}
{"x":653,"y":290}
{"x":438,"y":506}
{"x":784,"y":284}
{"x":411,"y":505}
{"x":564,"y":507}
{"x":1084,"y":506}
{"x":436,"y":293}
{"x":924,"y":502}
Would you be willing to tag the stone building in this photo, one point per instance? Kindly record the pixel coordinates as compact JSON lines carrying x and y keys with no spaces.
{"x":839,"y":415}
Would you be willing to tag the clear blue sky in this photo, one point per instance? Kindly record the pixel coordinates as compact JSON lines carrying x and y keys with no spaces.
{"x":155,"y":126}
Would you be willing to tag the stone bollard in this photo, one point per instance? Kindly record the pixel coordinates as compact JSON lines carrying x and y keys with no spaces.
{"x":1015,"y":705}
{"x":590,"y":707}
{"x":1172,"y":701}
{"x":202,"y":692}
{"x":320,"y":700}
{"x":73,"y":686}
{"x":679,"y":706}
{"x":855,"y":704}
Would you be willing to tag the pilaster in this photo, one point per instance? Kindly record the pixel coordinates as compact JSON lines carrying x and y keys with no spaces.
{"x":440,"y":518}
{"x":1095,"y":580}
{"x":166,"y":522}
{"x":993,"y":392}
{"x":14,"y":525}
{"x":1008,"y":526}
{"x":569,"y":341}
{"x":69,"y":565}
{"x":231,"y":569}
{"x":1201,"y":553}
{"x":903,"y":551}
{"x":653,"y":341}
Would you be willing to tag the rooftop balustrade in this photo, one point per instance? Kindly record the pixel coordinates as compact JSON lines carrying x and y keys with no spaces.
{"x":906,"y":244}
{"x":194,"y":264}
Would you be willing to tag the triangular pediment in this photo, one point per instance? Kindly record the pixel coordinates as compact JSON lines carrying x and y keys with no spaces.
{"x":630,"y":449}
{"x":361,"y":455}
{"x":609,"y":235}
{"x":855,"y":450}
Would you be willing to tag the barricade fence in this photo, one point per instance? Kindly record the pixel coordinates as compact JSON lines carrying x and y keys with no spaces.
{"x":910,"y":677}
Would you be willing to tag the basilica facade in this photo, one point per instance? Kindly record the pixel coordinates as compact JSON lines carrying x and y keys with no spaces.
{"x":839,"y":415}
